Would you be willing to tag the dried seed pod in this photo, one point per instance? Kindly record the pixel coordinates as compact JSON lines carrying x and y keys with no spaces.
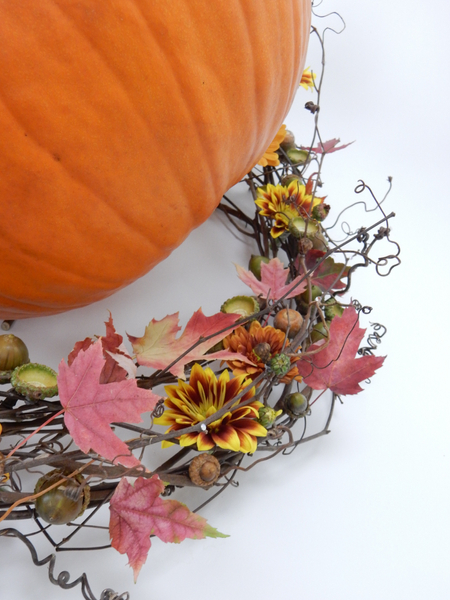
{"x":204,"y":470}
{"x":13,"y":353}
{"x":64,"y":503}
{"x":34,"y":381}
{"x":289,"y":321}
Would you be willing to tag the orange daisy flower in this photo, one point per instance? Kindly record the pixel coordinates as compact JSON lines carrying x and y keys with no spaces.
{"x":244,"y":342}
{"x":191,"y":403}
{"x":270,"y":156}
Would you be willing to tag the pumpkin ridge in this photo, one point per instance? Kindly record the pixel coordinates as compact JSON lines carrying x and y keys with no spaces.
{"x":257,"y":112}
{"x":189,"y":113}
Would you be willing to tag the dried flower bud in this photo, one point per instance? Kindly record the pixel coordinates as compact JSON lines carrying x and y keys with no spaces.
{"x":320,"y":212}
{"x":280,"y":364}
{"x":262,"y":352}
{"x":267,"y":416}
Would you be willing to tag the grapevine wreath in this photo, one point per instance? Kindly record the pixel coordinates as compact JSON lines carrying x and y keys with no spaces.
{"x":227,"y":391}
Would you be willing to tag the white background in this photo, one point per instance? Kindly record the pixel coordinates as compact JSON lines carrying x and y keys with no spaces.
{"x":362,"y":513}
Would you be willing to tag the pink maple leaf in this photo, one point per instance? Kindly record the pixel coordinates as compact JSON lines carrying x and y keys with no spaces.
{"x":90,"y":406}
{"x":328,"y":147}
{"x":118,"y":364}
{"x":159,"y":346}
{"x":137,"y":511}
{"x":335,"y":367}
{"x":273,"y":281}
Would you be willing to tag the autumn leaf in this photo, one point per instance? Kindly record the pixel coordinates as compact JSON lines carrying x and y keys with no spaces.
{"x":335,"y":367}
{"x":328,"y":147}
{"x":273,"y":281}
{"x":137,"y":511}
{"x":118,"y":364}
{"x":328,"y":274}
{"x":159,"y":346}
{"x":91,"y":406}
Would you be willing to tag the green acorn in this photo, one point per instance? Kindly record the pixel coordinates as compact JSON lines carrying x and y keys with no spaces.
{"x":280,"y":364}
{"x":296,"y":405}
{"x":13,"y":353}
{"x":254,"y":264}
{"x":245,"y":306}
{"x":64,"y":503}
{"x":289,"y":141}
{"x":34,"y":381}
{"x":267,"y":416}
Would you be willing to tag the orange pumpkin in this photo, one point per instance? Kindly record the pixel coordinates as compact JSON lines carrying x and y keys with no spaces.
{"x":121,"y":126}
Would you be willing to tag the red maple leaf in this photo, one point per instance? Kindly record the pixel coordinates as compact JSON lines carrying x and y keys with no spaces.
{"x":118,"y":364}
{"x":273,"y":284}
{"x":159,"y":347}
{"x":137,"y":511}
{"x":91,"y":406}
{"x":327,"y":276}
{"x":335,"y":367}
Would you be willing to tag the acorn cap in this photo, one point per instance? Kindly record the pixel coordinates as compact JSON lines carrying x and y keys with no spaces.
{"x":35,"y":381}
{"x":204,"y":470}
{"x":245,"y":306}
{"x":299,"y":228}
{"x":298,"y":157}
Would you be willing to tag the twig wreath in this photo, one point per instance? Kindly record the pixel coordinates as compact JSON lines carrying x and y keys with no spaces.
{"x":234,"y":388}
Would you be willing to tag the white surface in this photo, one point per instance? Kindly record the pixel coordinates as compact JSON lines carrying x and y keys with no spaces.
{"x":363,"y":513}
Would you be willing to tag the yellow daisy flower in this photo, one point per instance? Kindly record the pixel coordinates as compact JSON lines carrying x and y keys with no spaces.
{"x":191,"y":403}
{"x":307,"y":80}
{"x":270,"y":156}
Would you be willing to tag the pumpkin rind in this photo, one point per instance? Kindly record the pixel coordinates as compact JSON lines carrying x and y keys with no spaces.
{"x":94,"y":98}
